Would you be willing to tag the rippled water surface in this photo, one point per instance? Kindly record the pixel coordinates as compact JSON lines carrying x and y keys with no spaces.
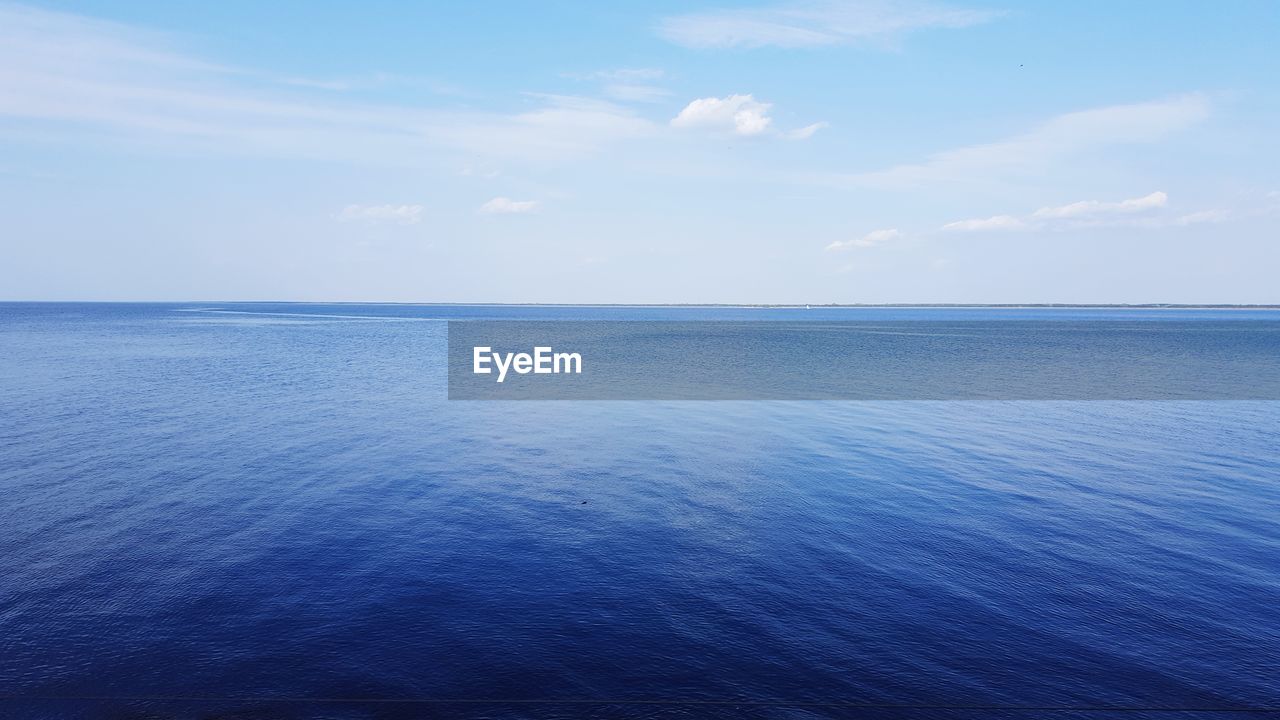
{"x":272,"y":511}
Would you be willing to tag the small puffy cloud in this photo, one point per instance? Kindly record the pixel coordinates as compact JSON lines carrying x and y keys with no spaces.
{"x":507,"y":206}
{"x":741,"y":114}
{"x":400,"y":214}
{"x":807,"y":131}
{"x":996,"y":222}
{"x":871,"y":239}
{"x":1093,"y":208}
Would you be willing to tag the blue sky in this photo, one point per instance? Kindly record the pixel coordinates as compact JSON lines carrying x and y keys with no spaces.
{"x":803,"y":152}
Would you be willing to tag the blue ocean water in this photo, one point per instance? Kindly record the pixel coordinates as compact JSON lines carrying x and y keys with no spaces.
{"x":260,"y":510}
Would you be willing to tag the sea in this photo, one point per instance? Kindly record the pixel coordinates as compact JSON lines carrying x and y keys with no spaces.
{"x":273,"y":510}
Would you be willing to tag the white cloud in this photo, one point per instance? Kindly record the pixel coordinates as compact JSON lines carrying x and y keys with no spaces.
{"x":995,"y":222}
{"x":562,"y":126}
{"x":368,"y":81}
{"x":742,"y":114}
{"x":485,"y":173}
{"x":1090,"y":208}
{"x":1063,"y":137}
{"x":627,"y":84}
{"x":871,"y":239}
{"x":812,"y":24}
{"x":807,"y":131}
{"x":401,"y":214}
{"x":1135,"y":212}
{"x":105,"y":79}
{"x":636,"y":93}
{"x":507,"y":206}
{"x":623,"y":75}
{"x":1203,"y":216}
{"x":1200,"y":217}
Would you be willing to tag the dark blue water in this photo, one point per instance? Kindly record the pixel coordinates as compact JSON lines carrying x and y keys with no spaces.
{"x":241,"y":514}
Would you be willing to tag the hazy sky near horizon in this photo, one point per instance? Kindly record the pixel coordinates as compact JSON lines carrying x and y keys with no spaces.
{"x":763,"y":152}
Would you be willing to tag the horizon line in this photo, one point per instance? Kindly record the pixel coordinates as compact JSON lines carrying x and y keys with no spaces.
{"x":1149,"y":305}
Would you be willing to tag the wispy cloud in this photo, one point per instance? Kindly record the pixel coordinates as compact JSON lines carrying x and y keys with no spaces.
{"x":627,"y":84}
{"x":1094,"y":208}
{"x":479,"y":171}
{"x":1203,"y":216}
{"x":813,"y":23}
{"x":373,"y":81}
{"x":86,"y":76}
{"x":507,"y":206}
{"x":995,"y":222}
{"x":1062,"y":137}
{"x":636,"y":93}
{"x":806,"y":132}
{"x":399,"y":214}
{"x":871,"y":239}
{"x":623,"y":75}
{"x":1139,"y":212}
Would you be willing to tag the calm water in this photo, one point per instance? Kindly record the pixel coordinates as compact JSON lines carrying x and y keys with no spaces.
{"x":206,"y":513}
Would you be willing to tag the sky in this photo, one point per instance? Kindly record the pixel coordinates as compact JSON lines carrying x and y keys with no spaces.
{"x":834,"y":151}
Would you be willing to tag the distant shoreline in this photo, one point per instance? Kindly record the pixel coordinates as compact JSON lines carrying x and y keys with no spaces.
{"x":798,"y":306}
